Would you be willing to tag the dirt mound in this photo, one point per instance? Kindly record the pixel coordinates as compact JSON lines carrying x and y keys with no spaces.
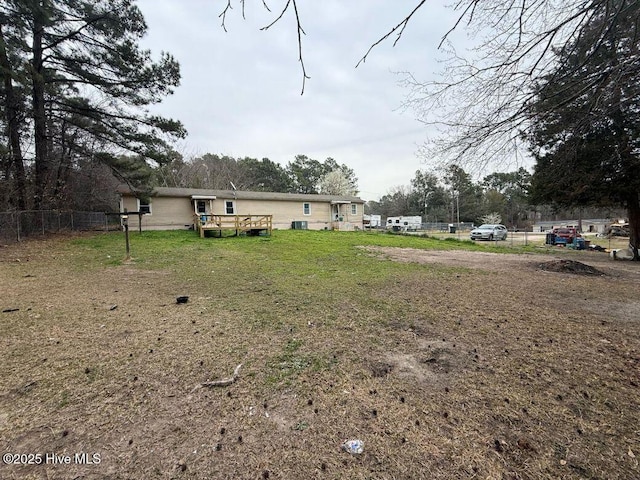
{"x":569,"y":266}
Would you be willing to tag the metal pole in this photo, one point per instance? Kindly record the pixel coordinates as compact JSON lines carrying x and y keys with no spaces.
{"x":42,"y":220}
{"x":18,"y":224}
{"x":125,"y":218}
{"x":126,"y":236}
{"x":458,"y":208}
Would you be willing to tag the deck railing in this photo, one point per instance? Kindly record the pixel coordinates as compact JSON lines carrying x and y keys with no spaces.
{"x":253,"y":224}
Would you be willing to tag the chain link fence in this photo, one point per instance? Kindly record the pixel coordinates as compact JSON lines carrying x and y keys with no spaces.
{"x":447,"y":227}
{"x":16,"y":226}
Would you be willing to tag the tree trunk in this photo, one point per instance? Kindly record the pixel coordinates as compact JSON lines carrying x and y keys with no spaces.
{"x":13,"y":126}
{"x":39,"y":114}
{"x":633,"y":208}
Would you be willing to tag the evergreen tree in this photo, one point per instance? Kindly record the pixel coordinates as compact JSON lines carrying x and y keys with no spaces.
{"x":306,"y":174}
{"x":88,"y":83}
{"x":431,"y":198}
{"x":506,"y":193}
{"x":465,"y":195}
{"x":265,"y":175}
{"x":586,"y":135}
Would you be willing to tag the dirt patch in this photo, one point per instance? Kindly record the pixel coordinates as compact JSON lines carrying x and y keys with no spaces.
{"x":569,"y":266}
{"x":507,"y":262}
{"x":455,"y":258}
{"x":380,"y":369}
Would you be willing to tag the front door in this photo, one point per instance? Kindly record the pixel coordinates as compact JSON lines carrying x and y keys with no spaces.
{"x":202,"y":207}
{"x":336,"y":213}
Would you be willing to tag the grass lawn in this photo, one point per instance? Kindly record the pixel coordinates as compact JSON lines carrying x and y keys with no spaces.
{"x":448,"y":359}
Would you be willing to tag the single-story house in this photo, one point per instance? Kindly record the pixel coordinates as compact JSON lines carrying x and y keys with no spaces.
{"x":178,"y":208}
{"x":585,"y":225}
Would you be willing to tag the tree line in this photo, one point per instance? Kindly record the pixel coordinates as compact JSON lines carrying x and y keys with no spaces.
{"x":221,"y":172}
{"x":442,"y":196}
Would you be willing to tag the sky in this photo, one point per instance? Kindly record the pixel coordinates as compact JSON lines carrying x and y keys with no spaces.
{"x":240,"y":93}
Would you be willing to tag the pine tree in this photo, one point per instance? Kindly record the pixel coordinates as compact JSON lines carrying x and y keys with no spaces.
{"x":88,"y":83}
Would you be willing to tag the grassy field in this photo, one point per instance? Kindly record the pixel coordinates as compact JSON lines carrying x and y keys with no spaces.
{"x":446,"y":369}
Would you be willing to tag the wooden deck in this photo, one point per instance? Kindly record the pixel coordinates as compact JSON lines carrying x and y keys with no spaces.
{"x":249,"y":224}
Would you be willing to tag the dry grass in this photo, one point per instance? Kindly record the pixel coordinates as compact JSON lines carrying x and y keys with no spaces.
{"x":446,"y":363}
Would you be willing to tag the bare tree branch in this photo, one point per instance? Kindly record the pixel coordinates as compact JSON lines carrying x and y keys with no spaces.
{"x":284,"y":10}
{"x":401,"y":26}
{"x":300,"y":32}
{"x":223,"y":15}
{"x":472,"y":7}
{"x":480,"y":104}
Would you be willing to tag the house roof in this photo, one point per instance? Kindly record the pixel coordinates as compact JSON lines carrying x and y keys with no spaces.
{"x":245,"y":195}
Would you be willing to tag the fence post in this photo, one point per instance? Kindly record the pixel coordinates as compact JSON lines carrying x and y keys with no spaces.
{"x":72,"y":226}
{"x":18,"y":224}
{"x":42,"y":220}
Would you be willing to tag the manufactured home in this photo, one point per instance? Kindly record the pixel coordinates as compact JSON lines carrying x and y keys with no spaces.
{"x":183,"y":208}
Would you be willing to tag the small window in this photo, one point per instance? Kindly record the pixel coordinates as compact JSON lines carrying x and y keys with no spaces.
{"x":144,"y":207}
{"x":354,"y":209}
{"x":202,"y":206}
{"x":306,"y":208}
{"x":228,"y":207}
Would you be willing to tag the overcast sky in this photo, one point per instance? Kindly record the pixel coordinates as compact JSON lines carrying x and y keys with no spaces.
{"x":240,"y":89}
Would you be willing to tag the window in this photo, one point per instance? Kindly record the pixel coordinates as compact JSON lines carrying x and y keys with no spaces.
{"x":306,"y":208}
{"x":202,"y":206}
{"x":144,"y":206}
{"x":354,"y":209}
{"x":228,"y":207}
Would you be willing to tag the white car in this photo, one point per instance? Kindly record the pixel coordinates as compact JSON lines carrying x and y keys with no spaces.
{"x":489,"y":232}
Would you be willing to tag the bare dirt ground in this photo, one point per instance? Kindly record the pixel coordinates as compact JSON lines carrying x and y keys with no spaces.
{"x":505,"y":262}
{"x":476,"y":366}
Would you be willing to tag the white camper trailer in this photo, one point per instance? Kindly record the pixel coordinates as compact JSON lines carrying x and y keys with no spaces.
{"x":372,"y":221}
{"x":404,"y":224}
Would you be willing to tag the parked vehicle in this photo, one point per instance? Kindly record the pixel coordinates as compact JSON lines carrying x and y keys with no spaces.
{"x":566,"y":233}
{"x":489,"y":232}
{"x":617,"y":230}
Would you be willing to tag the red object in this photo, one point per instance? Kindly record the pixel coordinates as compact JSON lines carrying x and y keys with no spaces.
{"x":568,"y":233}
